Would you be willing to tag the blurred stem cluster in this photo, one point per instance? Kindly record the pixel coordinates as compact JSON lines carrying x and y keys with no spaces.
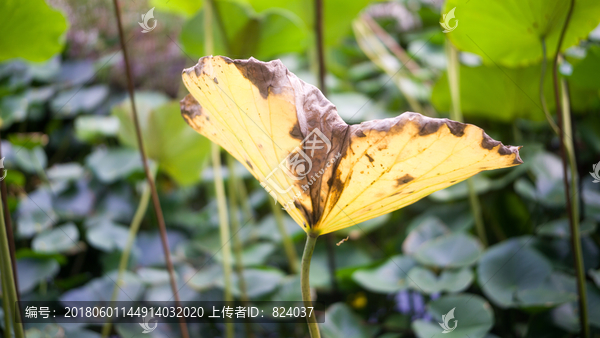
{"x":9,"y":289}
{"x":456,"y":115}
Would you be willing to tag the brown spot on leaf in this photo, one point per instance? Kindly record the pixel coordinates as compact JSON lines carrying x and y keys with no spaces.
{"x":216,"y":81}
{"x":456,"y":128}
{"x":226,"y":59}
{"x":296,"y":133}
{"x":360,"y":133}
{"x":249,"y":164}
{"x":404,"y":179}
{"x":190,"y":107}
{"x":306,"y":214}
{"x":488,"y":143}
{"x":370,"y":158}
{"x":265,"y":76}
{"x":504,"y":151}
{"x":429,"y":126}
{"x":198,"y":69}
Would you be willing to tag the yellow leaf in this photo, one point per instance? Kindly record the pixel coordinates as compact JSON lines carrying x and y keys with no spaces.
{"x":327,"y":174}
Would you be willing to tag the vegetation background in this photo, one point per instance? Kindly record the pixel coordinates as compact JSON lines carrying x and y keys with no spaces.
{"x":497,"y":248}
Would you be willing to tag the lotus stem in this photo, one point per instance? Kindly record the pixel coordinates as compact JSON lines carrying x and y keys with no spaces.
{"x":309,"y":248}
{"x":9,"y":231}
{"x":542,"y":97}
{"x":237,"y":243}
{"x":235,"y":226}
{"x":242,"y":193}
{"x":574,"y":187}
{"x":133,"y":230}
{"x":224,"y":231}
{"x":570,"y":147}
{"x":10,"y":291}
{"x":288,"y":245}
{"x":564,"y":122}
{"x":456,"y":115}
{"x":219,"y":186}
{"x":154,"y":193}
{"x":5,"y":302}
{"x":322,"y":71}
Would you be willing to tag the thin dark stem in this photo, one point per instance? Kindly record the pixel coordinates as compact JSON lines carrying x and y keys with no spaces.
{"x":155,"y":201}
{"x":330,"y":240}
{"x":320,"y":47}
{"x":575,"y":240}
{"x":9,"y":289}
{"x":9,"y":232}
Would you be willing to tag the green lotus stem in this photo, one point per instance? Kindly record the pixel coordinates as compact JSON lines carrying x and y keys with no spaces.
{"x":10,"y":292}
{"x":575,"y":234}
{"x":309,"y":248}
{"x":542,"y":97}
{"x":5,"y":302}
{"x":567,"y":156}
{"x":288,"y":245}
{"x":133,"y":230}
{"x":219,"y":186}
{"x":566,"y":110}
{"x":224,"y":231}
{"x":456,"y":115}
{"x":242,"y":193}
{"x":235,"y":226}
{"x":232,"y":188}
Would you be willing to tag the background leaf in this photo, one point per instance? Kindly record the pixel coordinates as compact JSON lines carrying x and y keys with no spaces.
{"x":32,"y":30}
{"x":178,"y":149}
{"x":473,"y":314}
{"x":510,"y":32}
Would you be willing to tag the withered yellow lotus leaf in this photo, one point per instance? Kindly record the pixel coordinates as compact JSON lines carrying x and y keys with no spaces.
{"x":327,"y":174}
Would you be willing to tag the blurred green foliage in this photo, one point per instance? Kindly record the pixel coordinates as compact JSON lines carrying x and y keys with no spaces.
{"x":31,"y":30}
